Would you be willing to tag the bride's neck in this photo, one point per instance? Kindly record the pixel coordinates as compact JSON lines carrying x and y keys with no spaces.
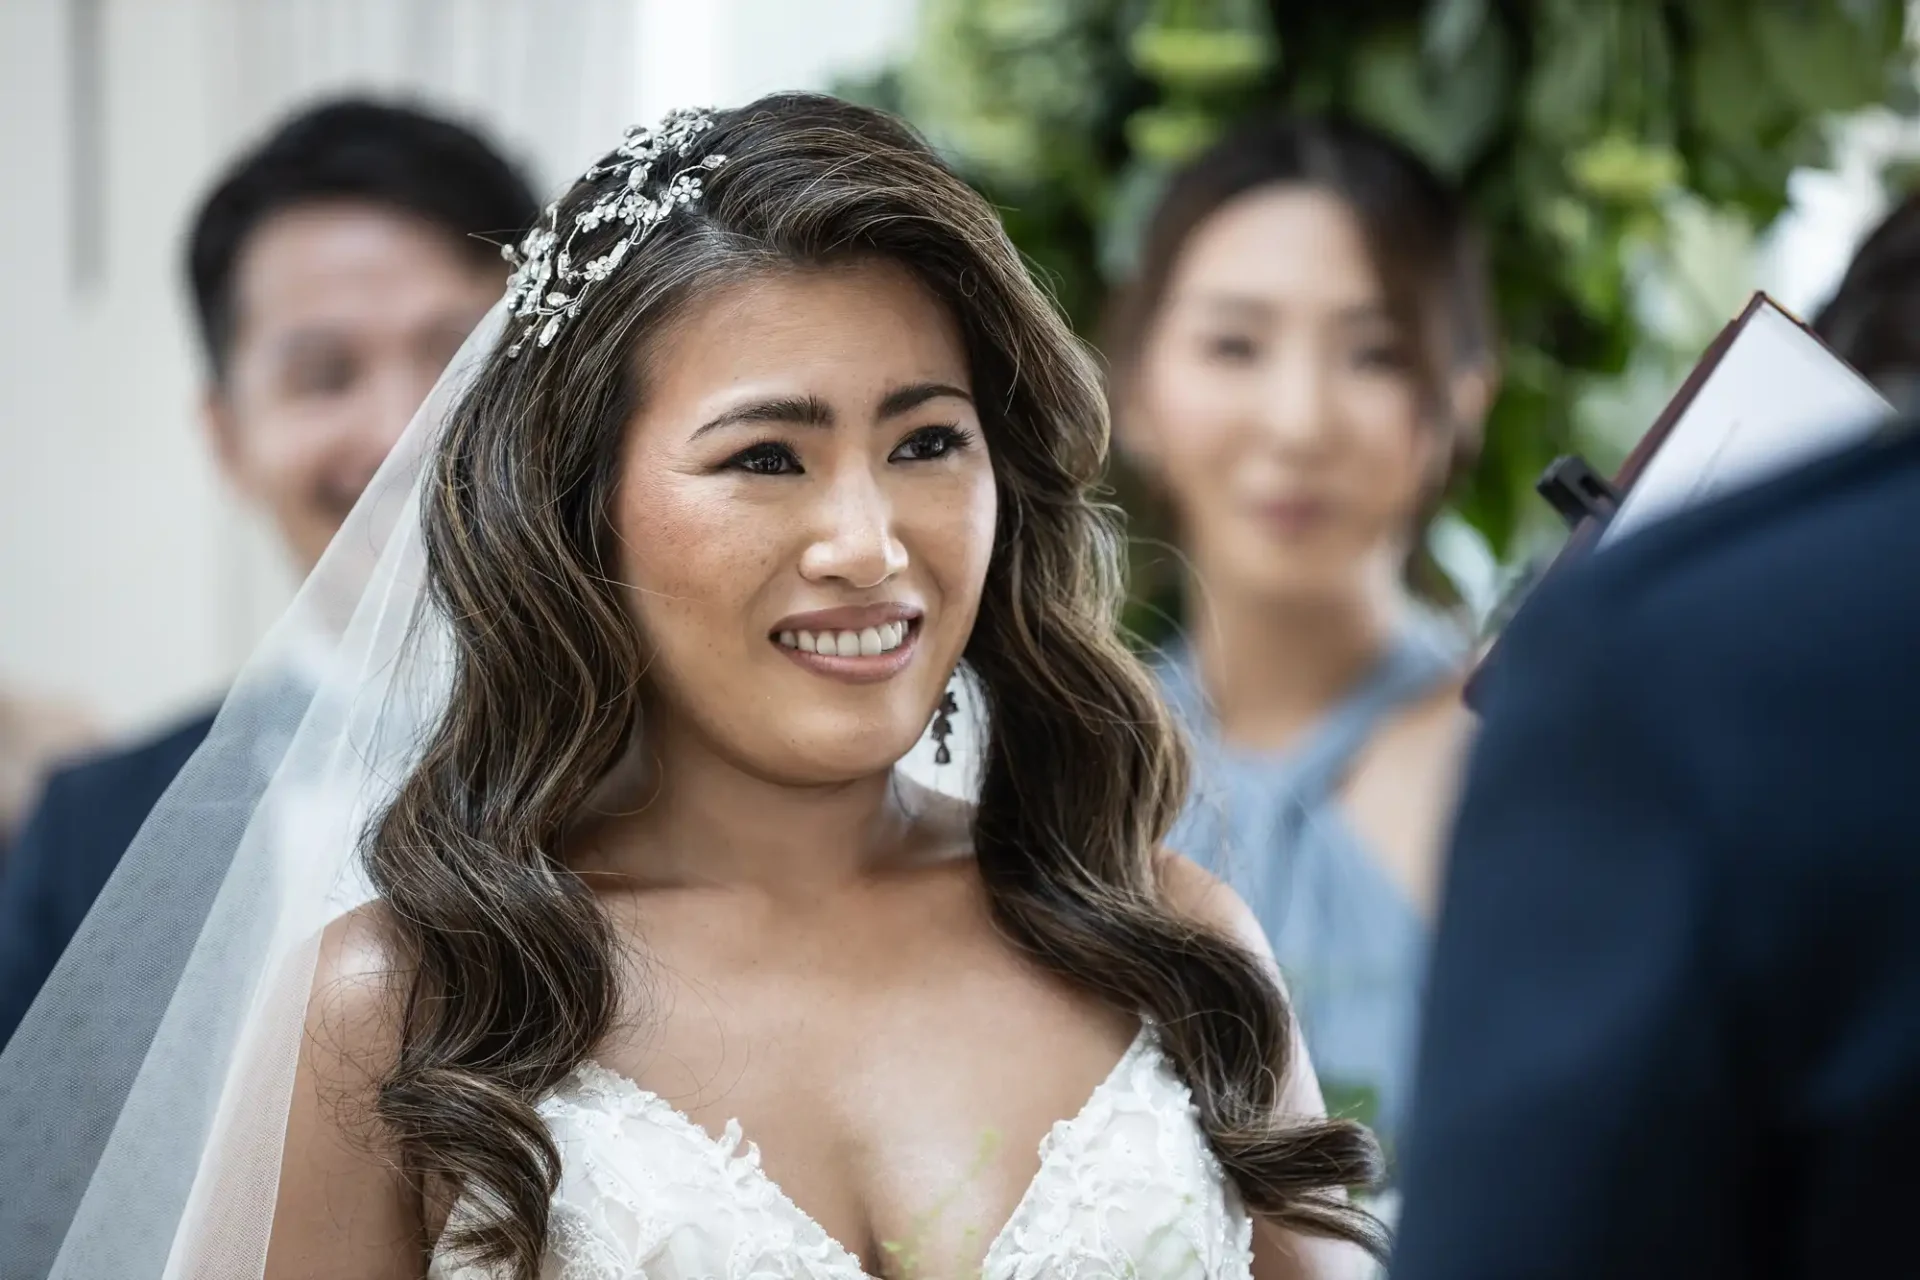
{"x":677,"y":812}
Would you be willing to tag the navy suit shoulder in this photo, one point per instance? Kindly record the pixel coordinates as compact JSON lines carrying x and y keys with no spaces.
{"x":1673,"y":1023}
{"x":87,"y":815}
{"x":123,"y":784}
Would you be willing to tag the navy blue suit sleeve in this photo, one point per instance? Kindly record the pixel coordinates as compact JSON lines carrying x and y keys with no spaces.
{"x":1569,"y":1115}
{"x":89,"y":815}
{"x":37,"y":908}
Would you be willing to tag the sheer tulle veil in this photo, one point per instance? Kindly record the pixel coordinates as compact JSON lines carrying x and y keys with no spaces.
{"x":143,"y":1099}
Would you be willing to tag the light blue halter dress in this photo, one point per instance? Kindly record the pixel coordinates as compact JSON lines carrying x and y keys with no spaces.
{"x":1350,"y":942}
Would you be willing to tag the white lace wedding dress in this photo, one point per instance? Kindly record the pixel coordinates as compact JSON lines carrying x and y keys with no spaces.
{"x":1127,"y":1188}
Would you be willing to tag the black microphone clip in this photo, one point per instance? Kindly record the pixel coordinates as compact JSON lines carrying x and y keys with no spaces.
{"x":1577,"y":491}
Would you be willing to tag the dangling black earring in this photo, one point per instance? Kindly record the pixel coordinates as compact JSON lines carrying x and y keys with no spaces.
{"x":942,"y":727}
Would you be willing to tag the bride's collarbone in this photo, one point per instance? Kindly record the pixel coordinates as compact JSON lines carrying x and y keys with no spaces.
{"x":897,"y":1096}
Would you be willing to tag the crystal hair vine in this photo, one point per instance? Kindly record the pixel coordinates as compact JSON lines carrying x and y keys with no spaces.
{"x":547,"y":285}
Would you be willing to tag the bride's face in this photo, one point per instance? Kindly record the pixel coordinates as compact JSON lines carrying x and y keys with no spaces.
{"x":805,"y":512}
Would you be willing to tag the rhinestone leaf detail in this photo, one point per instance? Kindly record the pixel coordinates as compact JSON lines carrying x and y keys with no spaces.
{"x":548,"y":281}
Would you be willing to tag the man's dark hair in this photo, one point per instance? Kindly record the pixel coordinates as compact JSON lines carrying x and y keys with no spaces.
{"x":352,"y":149}
{"x":1873,"y":319}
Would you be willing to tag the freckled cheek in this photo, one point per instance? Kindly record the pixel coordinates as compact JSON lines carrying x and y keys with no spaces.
{"x":950,"y":533}
{"x":693,"y":561}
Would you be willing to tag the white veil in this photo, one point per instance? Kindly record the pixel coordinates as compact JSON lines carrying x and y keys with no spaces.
{"x":143,"y":1099}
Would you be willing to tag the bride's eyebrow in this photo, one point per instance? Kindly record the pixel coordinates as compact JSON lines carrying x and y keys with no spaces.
{"x":908,"y":398}
{"x":812,"y":411}
{"x":805,"y":411}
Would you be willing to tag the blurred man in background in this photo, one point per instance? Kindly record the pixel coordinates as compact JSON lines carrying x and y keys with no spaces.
{"x":335,"y":270}
{"x":1674,"y":1020}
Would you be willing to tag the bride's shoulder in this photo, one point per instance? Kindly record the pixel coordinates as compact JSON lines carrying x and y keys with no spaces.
{"x":359,"y":986}
{"x":361,"y":948}
{"x":344,"y":1205}
{"x":1201,"y":898}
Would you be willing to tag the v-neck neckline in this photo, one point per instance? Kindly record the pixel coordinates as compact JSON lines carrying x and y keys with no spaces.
{"x":597,"y":1075}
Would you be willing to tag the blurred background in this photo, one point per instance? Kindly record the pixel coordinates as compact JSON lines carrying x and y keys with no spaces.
{"x":1638,"y":167}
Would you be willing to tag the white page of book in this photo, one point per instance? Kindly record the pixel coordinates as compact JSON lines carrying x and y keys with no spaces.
{"x":1777,"y":398}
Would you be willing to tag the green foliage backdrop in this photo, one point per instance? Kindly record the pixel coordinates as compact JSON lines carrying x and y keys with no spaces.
{"x":1599,"y":141}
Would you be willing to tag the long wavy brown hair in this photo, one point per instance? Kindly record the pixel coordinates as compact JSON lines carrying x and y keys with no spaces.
{"x":513,"y":964}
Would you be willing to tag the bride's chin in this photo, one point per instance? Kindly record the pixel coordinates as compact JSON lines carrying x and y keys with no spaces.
{"x":832,"y":764}
{"x":815,"y":754}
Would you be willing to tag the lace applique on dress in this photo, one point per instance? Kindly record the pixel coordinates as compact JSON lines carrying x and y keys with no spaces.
{"x":1126,"y":1188}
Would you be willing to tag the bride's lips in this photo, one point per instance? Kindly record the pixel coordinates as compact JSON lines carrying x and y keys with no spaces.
{"x":860,"y":644}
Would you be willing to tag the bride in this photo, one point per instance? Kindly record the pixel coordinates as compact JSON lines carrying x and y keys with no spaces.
{"x":658,"y":963}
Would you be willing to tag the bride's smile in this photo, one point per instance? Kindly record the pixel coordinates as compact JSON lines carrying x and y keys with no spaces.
{"x":856,"y":643}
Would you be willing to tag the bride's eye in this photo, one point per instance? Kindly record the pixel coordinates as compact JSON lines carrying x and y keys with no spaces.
{"x":929,"y":443}
{"x":768,"y":458}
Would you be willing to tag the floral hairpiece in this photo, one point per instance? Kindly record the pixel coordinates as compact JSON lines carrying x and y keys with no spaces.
{"x":547,"y":285}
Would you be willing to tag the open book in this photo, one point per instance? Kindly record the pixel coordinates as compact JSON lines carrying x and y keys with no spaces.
{"x":1766,"y":396}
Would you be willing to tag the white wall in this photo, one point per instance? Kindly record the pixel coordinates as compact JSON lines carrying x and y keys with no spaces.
{"x":111,"y":535}
{"x":727,"y":52}
{"x":128,"y":579}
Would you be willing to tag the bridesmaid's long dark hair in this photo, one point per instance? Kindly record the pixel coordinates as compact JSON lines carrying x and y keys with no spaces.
{"x":511,"y":960}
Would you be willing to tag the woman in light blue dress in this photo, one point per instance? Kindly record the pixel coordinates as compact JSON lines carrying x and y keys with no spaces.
{"x":1301,"y":366}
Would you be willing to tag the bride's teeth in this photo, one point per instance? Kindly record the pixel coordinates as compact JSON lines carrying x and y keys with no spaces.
{"x":869,"y":642}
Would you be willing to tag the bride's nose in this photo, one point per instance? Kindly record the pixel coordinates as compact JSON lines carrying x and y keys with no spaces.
{"x":854,"y":540}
